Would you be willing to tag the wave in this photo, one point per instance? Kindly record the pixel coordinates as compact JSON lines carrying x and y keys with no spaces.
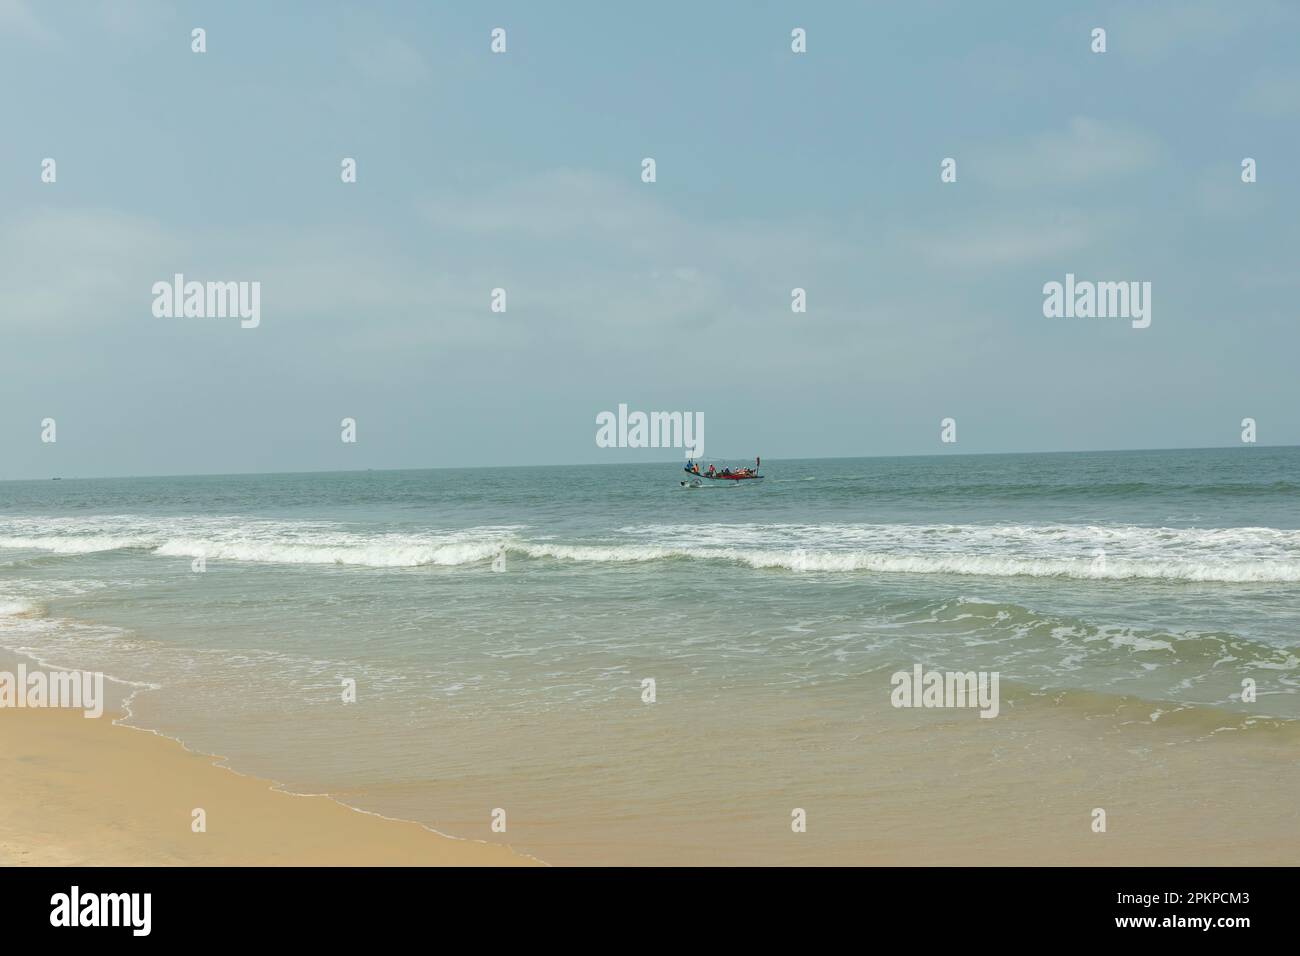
{"x":75,"y":544}
{"x":989,"y":566}
{"x":233,"y":538}
{"x":379,"y":554}
{"x":1052,"y":650}
{"x":1087,"y":552}
{"x":960,"y":564}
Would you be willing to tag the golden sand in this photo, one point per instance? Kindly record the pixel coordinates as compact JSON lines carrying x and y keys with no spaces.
{"x":81,"y":792}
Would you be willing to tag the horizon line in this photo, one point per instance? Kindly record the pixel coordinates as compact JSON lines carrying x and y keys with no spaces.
{"x":608,"y":464}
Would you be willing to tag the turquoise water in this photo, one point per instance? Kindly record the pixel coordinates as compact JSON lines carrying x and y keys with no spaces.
{"x":1162,"y":577}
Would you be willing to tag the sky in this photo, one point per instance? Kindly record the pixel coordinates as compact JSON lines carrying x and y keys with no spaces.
{"x":522,"y":170}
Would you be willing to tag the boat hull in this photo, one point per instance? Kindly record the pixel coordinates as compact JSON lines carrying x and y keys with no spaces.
{"x":695,"y":481}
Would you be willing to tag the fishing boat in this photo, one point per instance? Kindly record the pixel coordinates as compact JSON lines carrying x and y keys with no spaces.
{"x":697,"y":476}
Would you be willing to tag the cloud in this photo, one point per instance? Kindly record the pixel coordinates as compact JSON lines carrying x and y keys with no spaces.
{"x":1272,"y":94}
{"x":1156,"y":30}
{"x":64,"y":268}
{"x":625,"y":220}
{"x":17,"y":20}
{"x":584,"y":240}
{"x":570,"y":247}
{"x":601,"y":275}
{"x":1012,"y":241}
{"x":1085,"y":151}
{"x":560,"y":203}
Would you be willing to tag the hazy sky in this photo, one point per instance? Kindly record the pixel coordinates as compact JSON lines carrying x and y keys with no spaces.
{"x":522,"y":170}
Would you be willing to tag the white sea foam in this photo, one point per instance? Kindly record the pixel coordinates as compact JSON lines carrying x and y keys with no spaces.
{"x":252,"y":540}
{"x":1222,"y":555}
{"x":72,"y":544}
{"x":379,"y":553}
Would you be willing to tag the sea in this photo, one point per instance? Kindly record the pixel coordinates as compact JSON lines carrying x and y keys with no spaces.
{"x":633,"y":671}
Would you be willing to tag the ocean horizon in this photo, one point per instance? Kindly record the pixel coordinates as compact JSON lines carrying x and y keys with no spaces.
{"x":645,"y":460}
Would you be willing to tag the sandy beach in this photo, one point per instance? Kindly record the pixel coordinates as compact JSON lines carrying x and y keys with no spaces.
{"x":85,"y":792}
{"x":930,"y":789}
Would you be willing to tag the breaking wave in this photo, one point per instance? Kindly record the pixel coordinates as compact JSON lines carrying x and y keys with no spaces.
{"x":1218,"y":555}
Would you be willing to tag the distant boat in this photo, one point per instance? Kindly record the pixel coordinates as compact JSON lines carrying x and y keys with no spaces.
{"x":697,"y":477}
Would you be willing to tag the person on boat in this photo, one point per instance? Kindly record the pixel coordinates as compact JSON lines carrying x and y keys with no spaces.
{"x":711,"y":469}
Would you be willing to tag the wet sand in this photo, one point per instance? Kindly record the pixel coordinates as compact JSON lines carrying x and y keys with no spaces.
{"x":83,"y":792}
{"x":879,"y":786}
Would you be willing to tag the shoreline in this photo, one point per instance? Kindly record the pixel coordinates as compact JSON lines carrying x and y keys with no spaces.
{"x":88,"y":792}
{"x":932,"y":787}
{"x":97,"y":792}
